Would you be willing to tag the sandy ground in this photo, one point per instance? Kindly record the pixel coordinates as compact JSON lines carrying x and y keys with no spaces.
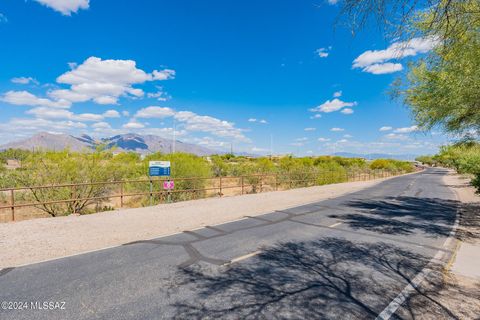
{"x":457,"y":292}
{"x":37,"y":240}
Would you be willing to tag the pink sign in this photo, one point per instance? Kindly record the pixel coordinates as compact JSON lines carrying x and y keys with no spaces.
{"x":168,"y":185}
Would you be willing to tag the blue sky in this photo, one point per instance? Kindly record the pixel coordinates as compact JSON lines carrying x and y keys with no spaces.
{"x":221,"y":72}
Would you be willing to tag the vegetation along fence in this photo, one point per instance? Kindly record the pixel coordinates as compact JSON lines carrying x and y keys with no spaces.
{"x":83,"y":198}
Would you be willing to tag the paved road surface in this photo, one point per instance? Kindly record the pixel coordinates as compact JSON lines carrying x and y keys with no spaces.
{"x":343,"y":258}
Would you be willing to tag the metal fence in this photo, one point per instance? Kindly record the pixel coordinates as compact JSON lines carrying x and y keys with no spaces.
{"x":89,"y":197}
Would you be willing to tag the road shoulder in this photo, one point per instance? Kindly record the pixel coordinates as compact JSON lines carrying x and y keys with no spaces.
{"x":38,"y":240}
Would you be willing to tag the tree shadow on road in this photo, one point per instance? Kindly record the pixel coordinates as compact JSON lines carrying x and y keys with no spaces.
{"x":404,"y":216}
{"x":329,"y":278}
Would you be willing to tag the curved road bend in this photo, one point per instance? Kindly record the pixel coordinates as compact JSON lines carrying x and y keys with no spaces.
{"x":343,"y":258}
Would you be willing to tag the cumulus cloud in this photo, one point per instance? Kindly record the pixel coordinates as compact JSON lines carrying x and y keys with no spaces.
{"x":385,"y":128}
{"x":347,"y":111}
{"x":262,"y":121}
{"x":316,"y":116}
{"x":333,"y":105}
{"x":105,"y":81}
{"x":65,"y":7}
{"x":111,"y":114}
{"x":337,"y":94}
{"x":323,"y":139}
{"x":337,"y":129}
{"x":323,"y":52}
{"x":21,"y":126}
{"x":25,"y":98}
{"x":395,"y":136}
{"x":133,"y":125}
{"x":24,"y":80}
{"x":154,"y":112}
{"x":217,"y":127}
{"x":406,"y":129}
{"x":56,"y":113}
{"x":101,"y":126}
{"x":376,"y":61}
{"x":383,"y":68}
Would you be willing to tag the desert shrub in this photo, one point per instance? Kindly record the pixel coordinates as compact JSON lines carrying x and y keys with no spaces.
{"x":392,"y":165}
{"x":53,"y":168}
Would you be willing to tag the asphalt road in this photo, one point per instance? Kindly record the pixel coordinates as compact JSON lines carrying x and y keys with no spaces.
{"x":342,"y":258}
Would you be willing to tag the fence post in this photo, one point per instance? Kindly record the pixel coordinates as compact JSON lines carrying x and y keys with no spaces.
{"x":12,"y":202}
{"x":242,"y":184}
{"x":220,"y":193}
{"x":121,"y":194}
{"x":74,"y":195}
{"x":261,"y":183}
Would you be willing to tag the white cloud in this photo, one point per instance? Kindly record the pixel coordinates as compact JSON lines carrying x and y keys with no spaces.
{"x":125,"y":113}
{"x":65,"y":7}
{"x":160,"y":95}
{"x":217,"y":127}
{"x":316,"y":116}
{"x":262,"y":121}
{"x":333,"y":105}
{"x":133,"y":125}
{"x":347,"y":111}
{"x":394,"y":136}
{"x":111,"y":114}
{"x":332,"y":2}
{"x":337,"y":129}
{"x":210,"y":142}
{"x":154,"y":112}
{"x":406,"y":129}
{"x":347,"y":136}
{"x":323,"y":139}
{"x":375,"y":61}
{"x":323,"y":52}
{"x":342,"y":141}
{"x":25,"y":98}
{"x":385,"y":128}
{"x":55,"y":113}
{"x":101,"y":125}
{"x":24,"y":80}
{"x":383,"y":68}
{"x":302,"y":139}
{"x":337,"y":94}
{"x":105,"y":81}
{"x":310,"y":129}
{"x":22,"y":126}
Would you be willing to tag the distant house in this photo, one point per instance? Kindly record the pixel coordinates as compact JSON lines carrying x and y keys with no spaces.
{"x":13,"y":164}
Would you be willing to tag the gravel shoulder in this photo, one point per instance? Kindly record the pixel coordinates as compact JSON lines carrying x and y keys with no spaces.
{"x":37,"y":240}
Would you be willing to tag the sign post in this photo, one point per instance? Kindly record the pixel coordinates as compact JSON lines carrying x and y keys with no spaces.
{"x":157,"y":169}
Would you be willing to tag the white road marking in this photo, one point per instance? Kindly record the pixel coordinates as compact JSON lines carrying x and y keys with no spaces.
{"x":335,"y":224}
{"x":237,"y":259}
{"x":422,"y":275}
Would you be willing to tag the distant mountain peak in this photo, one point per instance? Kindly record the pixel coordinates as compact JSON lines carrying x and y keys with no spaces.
{"x":143,"y":144}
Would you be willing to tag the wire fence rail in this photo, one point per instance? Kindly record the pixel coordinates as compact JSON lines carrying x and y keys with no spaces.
{"x":23,"y":203}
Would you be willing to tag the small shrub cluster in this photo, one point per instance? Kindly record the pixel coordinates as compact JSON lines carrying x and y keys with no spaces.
{"x":464,"y":157}
{"x":41,"y":168}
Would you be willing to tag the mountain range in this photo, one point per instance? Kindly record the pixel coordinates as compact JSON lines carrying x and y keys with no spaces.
{"x":143,"y":144}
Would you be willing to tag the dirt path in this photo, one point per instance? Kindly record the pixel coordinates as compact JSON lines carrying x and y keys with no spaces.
{"x":36,"y":240}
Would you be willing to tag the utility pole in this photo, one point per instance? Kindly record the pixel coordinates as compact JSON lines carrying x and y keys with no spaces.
{"x":174,"y":135}
{"x":271,"y":146}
